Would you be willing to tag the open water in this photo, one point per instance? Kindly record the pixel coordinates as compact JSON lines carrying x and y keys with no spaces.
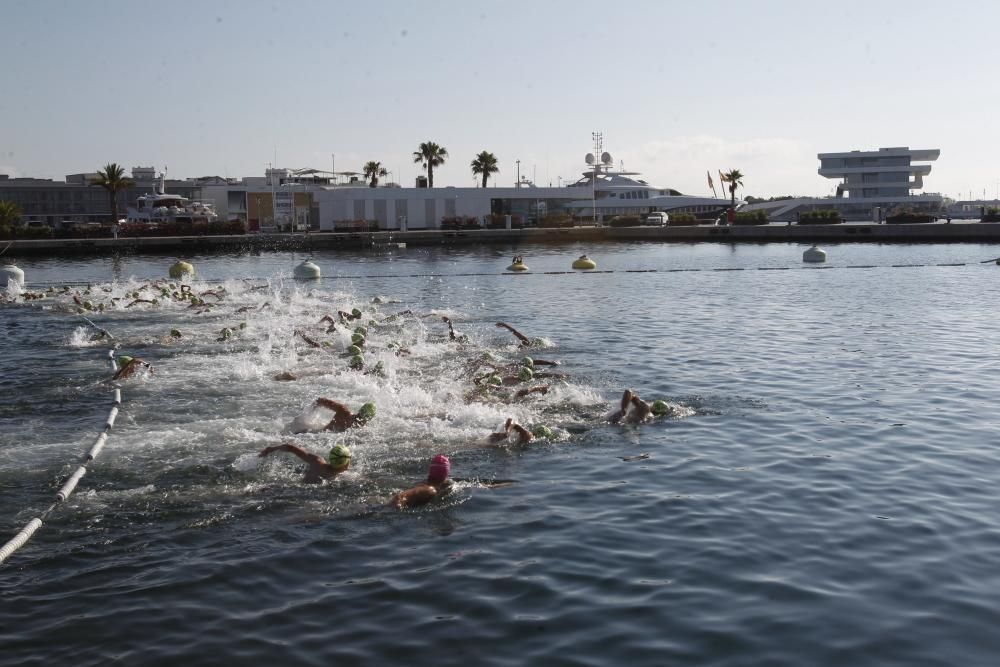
{"x":825,"y":492}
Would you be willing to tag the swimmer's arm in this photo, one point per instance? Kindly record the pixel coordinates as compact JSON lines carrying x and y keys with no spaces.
{"x":418,"y":495}
{"x":341,"y":409}
{"x":308,"y":457}
{"x":525,"y":434}
{"x":643,"y":409}
{"x":521,"y":393}
{"x":307,"y":339}
{"x":327,"y":318}
{"x":517,"y":334}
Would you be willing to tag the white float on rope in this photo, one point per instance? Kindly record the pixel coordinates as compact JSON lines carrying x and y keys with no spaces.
{"x":97,"y":447}
{"x":71,"y":483}
{"x":18,"y":540}
{"x":111,"y":418}
{"x":814,"y":255}
{"x":307,"y":270}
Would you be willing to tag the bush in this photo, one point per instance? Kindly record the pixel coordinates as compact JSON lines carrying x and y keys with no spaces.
{"x":498,"y":221}
{"x":751,"y":218}
{"x":682,"y":220}
{"x":820,"y":216}
{"x":460,"y":222}
{"x":624,"y":221}
{"x":556,"y":220}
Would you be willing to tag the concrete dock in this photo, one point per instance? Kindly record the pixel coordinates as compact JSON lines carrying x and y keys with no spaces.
{"x":965,"y":232}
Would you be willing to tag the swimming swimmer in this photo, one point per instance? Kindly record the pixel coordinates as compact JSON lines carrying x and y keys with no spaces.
{"x":451,"y":331}
{"x":525,"y":341}
{"x":522,"y":436}
{"x":343,"y":418}
{"x":437,"y":485}
{"x":337,"y":462}
{"x":634,"y":410}
{"x":129,"y":366}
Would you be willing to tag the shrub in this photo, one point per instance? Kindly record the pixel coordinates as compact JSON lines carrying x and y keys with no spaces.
{"x":751,"y":218}
{"x":556,"y":220}
{"x":624,"y":221}
{"x":820,"y":216}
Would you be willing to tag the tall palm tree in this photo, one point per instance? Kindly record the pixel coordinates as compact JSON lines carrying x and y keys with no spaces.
{"x":112,"y":178}
{"x":9,"y":213}
{"x":735,"y":179}
{"x":430,"y":155}
{"x":485,"y":164}
{"x":372,"y":171}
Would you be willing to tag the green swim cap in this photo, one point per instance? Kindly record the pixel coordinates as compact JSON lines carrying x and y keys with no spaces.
{"x":340,"y":455}
{"x":361,"y":330}
{"x":355,"y":312}
{"x":226,"y":334}
{"x":661,"y":408}
{"x":488,"y":356}
{"x":354,"y":350}
{"x":542,"y":431}
{"x":379,"y":369}
{"x":525,"y":374}
{"x":528,"y":361}
{"x":367,"y":411}
{"x":357,"y":361}
{"x":358,"y":339}
{"x":494,"y":379}
{"x":175,"y":333}
{"x":123,"y":360}
{"x":393,"y":345}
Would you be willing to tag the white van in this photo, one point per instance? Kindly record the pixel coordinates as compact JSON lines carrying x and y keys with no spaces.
{"x":658,"y":218}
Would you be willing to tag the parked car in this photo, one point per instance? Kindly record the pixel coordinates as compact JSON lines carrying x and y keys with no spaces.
{"x":657,"y":218}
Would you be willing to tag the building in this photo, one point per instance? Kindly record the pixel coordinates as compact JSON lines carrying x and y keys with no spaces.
{"x":872,"y":185}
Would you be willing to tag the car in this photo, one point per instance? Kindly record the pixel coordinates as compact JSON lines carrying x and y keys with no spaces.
{"x":657,"y":218}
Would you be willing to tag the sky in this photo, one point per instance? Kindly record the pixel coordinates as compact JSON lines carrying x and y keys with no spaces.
{"x":678,"y":89}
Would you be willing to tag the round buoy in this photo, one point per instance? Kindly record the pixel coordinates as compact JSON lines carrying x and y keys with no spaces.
{"x":181,"y":270}
{"x":306,"y":271}
{"x":585,"y":263}
{"x":10,"y":273}
{"x":814,"y":255}
{"x":518,"y":266}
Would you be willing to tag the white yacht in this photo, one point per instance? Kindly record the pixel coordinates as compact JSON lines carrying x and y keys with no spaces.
{"x":612,"y":192}
{"x":162,"y":207}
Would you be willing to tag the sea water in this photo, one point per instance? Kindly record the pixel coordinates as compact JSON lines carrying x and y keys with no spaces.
{"x":824,"y":494}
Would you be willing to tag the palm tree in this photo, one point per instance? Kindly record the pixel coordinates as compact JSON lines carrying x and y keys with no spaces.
{"x":112,"y":178}
{"x":485,"y":164}
{"x":9,"y":213}
{"x":735,"y":179}
{"x":372,"y":171}
{"x":430,"y":155}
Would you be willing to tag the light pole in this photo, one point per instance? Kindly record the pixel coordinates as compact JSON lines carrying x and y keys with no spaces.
{"x":517,"y":183}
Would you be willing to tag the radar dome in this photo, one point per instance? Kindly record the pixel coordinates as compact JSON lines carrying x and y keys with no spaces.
{"x":606,"y":158}
{"x":590,"y":158}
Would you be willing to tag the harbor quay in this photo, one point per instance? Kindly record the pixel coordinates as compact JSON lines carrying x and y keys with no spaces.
{"x":957,"y":232}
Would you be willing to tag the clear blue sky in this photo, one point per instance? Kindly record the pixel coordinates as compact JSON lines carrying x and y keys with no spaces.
{"x":677,"y":88}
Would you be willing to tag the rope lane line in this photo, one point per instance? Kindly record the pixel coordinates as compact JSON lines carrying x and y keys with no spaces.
{"x":25,"y":534}
{"x":382,"y":276}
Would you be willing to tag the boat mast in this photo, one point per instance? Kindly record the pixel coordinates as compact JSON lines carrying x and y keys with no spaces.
{"x":598,"y":138}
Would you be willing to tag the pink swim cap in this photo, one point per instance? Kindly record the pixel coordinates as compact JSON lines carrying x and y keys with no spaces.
{"x":439,"y":470}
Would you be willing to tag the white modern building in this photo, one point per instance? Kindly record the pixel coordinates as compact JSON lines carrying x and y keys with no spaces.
{"x":872,"y":185}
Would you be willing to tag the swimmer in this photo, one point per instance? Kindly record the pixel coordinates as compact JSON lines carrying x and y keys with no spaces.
{"x":343,"y":418}
{"x":309,"y":341}
{"x":129,"y":366}
{"x":634,"y":410}
{"x":355,"y":314}
{"x":451,"y":331}
{"x":337,"y":462}
{"x":525,"y":341}
{"x":333,"y":323}
{"x":438,"y":484}
{"x":522,"y":436}
{"x":286,"y":376}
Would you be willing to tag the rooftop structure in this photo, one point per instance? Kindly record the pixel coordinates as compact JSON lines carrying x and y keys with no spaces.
{"x":887,"y":172}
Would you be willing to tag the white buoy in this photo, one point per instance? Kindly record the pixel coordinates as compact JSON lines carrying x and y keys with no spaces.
{"x":180,"y":270}
{"x":306,"y":271}
{"x":11,"y":273}
{"x":814,"y":255}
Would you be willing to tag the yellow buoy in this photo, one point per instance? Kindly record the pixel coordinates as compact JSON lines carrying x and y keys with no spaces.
{"x":517,"y":264}
{"x":181,"y":270}
{"x":584,"y":262}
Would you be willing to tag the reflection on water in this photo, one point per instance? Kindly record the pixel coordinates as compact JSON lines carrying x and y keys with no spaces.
{"x":824,"y":498}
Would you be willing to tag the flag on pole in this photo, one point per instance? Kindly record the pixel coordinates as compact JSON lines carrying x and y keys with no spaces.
{"x":722,"y":177}
{"x":711,"y":184}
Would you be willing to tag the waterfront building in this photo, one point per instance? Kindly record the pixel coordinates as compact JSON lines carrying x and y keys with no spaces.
{"x":872,"y":185}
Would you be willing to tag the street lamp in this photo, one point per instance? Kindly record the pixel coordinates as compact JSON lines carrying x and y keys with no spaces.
{"x":518,"y":183}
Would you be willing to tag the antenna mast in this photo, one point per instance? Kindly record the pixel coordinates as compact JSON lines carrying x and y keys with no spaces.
{"x":598,"y":138}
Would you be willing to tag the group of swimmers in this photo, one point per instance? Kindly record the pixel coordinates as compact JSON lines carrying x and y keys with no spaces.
{"x":502,"y":381}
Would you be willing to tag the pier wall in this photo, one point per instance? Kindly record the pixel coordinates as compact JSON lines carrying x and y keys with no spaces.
{"x":843,"y":233}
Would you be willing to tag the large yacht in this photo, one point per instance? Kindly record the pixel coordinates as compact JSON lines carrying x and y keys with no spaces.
{"x":612,"y":192}
{"x":162,"y":207}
